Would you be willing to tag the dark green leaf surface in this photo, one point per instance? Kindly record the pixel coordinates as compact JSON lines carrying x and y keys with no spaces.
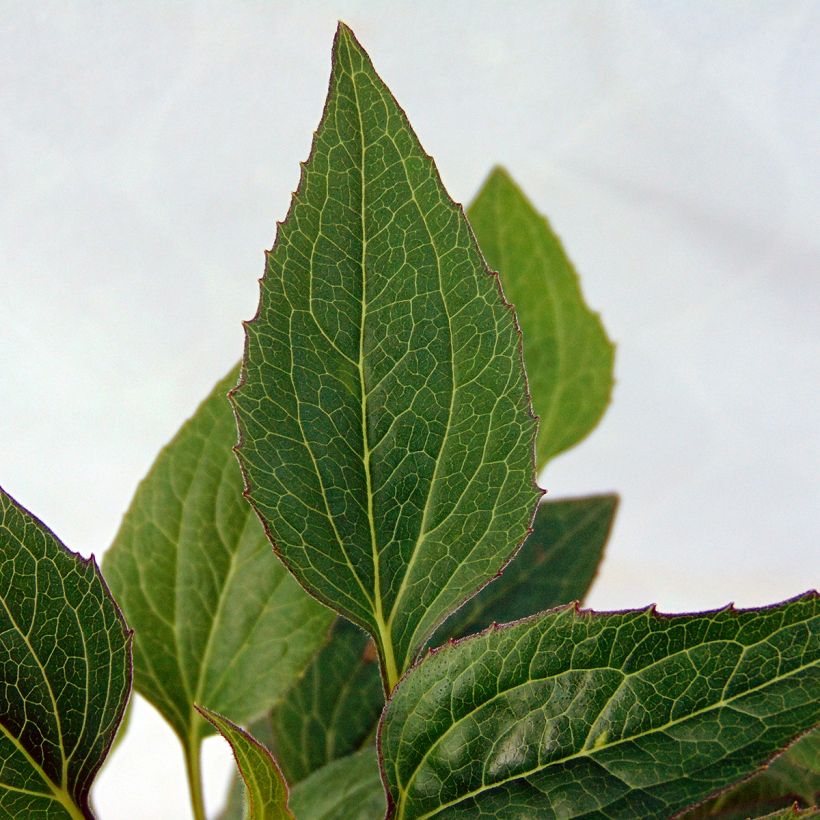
{"x":791,"y":778}
{"x":386,"y":430}
{"x":267,"y":792}
{"x":347,"y":789}
{"x":569,"y":357}
{"x":556,"y":565}
{"x":333,"y":709}
{"x":618,"y":715}
{"x":65,"y":667}
{"x":218,"y":620}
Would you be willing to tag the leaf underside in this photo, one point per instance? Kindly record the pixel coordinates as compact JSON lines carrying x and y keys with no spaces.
{"x":267,"y":792}
{"x":386,"y":431}
{"x":218,"y":620}
{"x":569,"y":357}
{"x":572,"y":713}
{"x":65,"y":656}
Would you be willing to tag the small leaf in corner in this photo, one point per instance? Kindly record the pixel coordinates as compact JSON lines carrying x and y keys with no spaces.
{"x":267,"y":792}
{"x":66,"y":670}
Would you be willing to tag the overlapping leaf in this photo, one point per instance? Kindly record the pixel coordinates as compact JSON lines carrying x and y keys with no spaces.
{"x":65,"y":667}
{"x":556,"y":565}
{"x":569,"y":357}
{"x":267,"y":792}
{"x":350,"y":788}
{"x":572,"y":713}
{"x":219,"y":621}
{"x":792,"y":778}
{"x":333,"y":709}
{"x":386,"y":429}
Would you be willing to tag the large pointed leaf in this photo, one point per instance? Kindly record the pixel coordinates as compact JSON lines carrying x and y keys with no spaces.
{"x":267,"y":792}
{"x":386,"y":430}
{"x":347,"y":789}
{"x":218,"y":620}
{"x":65,"y":669}
{"x":333,"y":709}
{"x":572,"y":713}
{"x":793,"y":778}
{"x":569,"y":357}
{"x":556,"y":565}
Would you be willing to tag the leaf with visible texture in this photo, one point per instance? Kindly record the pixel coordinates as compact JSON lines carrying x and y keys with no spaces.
{"x":569,"y":357}
{"x":218,"y":620}
{"x":65,"y":661}
{"x":386,"y":430}
{"x":791,"y":778}
{"x":350,"y":788}
{"x":267,"y":792}
{"x":573,"y":713}
{"x":556,"y":565}
{"x":331,"y":711}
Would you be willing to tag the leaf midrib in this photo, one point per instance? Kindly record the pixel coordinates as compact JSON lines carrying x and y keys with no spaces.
{"x":587,"y":752}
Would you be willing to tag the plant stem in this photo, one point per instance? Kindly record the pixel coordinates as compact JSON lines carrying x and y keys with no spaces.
{"x":194,"y":772}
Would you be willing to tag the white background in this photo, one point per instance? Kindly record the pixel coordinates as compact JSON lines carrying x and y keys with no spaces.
{"x":147,"y":149}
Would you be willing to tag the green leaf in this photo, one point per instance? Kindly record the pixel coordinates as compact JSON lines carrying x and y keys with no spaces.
{"x":386,"y":430}
{"x":333,"y":710}
{"x":347,"y":789}
{"x":568,"y":355}
{"x":791,"y":778}
{"x":267,"y":792}
{"x":556,"y":565}
{"x":219,"y":621}
{"x":66,"y":670}
{"x":572,"y":713}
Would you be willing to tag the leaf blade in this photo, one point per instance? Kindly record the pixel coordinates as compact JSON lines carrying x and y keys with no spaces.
{"x":791,"y":779}
{"x":568,"y":354}
{"x":218,"y":620}
{"x":376,"y":431}
{"x":349,"y":788}
{"x":69,"y":652}
{"x":267,"y":791}
{"x":556,"y":565}
{"x":593,"y":712}
{"x":335,"y":706}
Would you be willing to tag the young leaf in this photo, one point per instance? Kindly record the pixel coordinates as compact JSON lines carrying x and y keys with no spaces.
{"x":569,"y":357}
{"x":629,"y":714}
{"x":66,"y":670}
{"x":556,"y":565}
{"x":219,"y":621}
{"x":350,"y":788}
{"x":792,"y":778}
{"x":331,"y":711}
{"x":386,"y":430}
{"x":267,"y":792}
{"x":334,"y":708}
